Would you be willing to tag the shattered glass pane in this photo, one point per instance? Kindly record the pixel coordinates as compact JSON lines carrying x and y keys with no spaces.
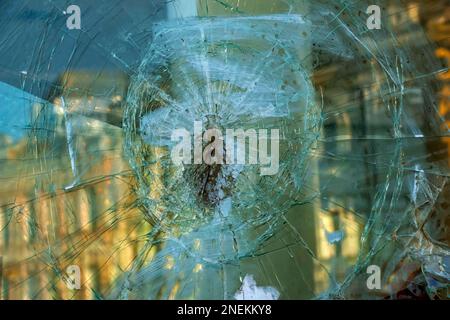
{"x":338,"y":188}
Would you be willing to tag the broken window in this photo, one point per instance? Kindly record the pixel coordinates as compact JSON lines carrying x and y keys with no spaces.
{"x":312,"y":144}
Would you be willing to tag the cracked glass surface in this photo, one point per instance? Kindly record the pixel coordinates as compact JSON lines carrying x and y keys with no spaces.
{"x":87,"y":175}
